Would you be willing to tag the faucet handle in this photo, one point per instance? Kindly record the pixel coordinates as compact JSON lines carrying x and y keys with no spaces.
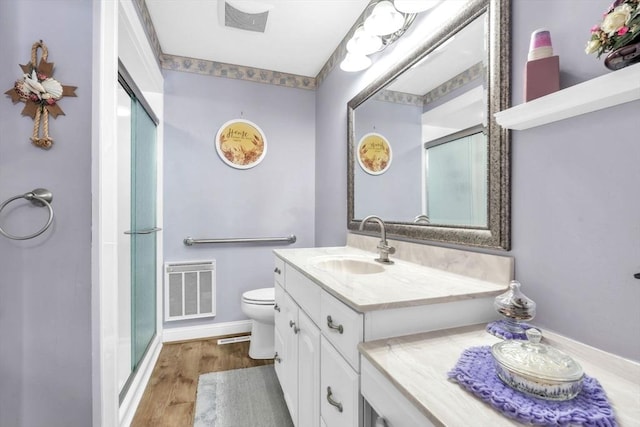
{"x":385,"y":250}
{"x":384,"y":246}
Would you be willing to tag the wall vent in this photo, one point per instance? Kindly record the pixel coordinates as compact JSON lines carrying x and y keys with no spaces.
{"x":189,"y":290}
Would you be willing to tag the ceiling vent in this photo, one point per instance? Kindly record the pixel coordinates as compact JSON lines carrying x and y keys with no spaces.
{"x":246,"y":15}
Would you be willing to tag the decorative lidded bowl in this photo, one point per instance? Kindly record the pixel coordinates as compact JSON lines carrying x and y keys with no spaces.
{"x":515,"y":307}
{"x":537,"y":369}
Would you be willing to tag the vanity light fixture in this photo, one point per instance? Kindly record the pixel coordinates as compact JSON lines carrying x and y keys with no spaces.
{"x":383,"y":25}
{"x":384,"y":19}
{"x":364,"y":43}
{"x":414,"y":6}
{"x":355,"y":62}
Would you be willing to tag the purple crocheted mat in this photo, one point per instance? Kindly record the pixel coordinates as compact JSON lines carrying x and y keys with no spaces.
{"x":499,"y":329}
{"x":476,"y":372}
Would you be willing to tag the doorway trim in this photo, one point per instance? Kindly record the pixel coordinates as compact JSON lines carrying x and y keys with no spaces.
{"x":132,"y":48}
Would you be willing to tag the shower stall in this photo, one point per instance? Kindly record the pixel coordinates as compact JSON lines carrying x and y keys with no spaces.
{"x":137,"y":230}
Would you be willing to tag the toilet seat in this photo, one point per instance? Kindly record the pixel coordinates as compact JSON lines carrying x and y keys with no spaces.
{"x":263,"y":296}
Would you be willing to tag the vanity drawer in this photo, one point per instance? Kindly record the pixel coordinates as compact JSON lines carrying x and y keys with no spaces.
{"x":339,"y":389}
{"x":305,"y":293}
{"x":343,"y":327}
{"x":387,"y":401}
{"x":278,"y":271}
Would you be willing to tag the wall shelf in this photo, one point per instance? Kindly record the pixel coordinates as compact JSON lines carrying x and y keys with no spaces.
{"x":601,"y":92}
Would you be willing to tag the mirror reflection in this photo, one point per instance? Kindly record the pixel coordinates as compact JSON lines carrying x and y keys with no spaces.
{"x":456,"y":179}
{"x":443,"y":179}
{"x":446,"y":164}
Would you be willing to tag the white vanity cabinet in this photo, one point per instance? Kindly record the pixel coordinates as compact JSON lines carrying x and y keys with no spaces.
{"x":297,"y":359}
{"x":322,"y":317}
{"x":316,"y":339}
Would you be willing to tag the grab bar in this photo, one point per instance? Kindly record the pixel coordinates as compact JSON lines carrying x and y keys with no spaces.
{"x":289,"y":239}
{"x":38,"y":197}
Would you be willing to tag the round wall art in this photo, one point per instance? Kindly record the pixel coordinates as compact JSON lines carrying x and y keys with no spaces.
{"x":374,"y":153}
{"x":241,"y":144}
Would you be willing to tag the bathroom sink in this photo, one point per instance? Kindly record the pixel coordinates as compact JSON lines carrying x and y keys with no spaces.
{"x":347,"y":265}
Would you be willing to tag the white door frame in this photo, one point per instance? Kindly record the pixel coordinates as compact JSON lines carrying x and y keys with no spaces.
{"x":118,"y":35}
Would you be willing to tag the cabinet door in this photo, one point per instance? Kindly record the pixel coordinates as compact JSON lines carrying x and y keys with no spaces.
{"x":281,"y":329}
{"x":286,"y":342}
{"x":308,"y":372}
{"x":340,"y":398}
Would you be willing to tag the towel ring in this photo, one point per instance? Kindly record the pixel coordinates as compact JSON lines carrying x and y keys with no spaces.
{"x":39,"y":197}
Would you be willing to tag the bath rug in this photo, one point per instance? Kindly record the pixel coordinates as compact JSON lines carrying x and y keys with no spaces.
{"x":241,"y":398}
{"x":475,"y":371}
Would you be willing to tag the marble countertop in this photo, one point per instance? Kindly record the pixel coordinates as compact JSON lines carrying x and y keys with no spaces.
{"x":402,"y":284}
{"x":418,"y":364}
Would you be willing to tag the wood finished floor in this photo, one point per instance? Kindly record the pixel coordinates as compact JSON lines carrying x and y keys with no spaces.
{"x":170,"y":397}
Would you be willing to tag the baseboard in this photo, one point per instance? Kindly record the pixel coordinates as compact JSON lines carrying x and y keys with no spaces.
{"x":205,"y":331}
{"x":131,"y":401}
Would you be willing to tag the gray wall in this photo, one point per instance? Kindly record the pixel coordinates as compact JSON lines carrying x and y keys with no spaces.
{"x":45,"y":283}
{"x":205,"y":198}
{"x":575,"y":210}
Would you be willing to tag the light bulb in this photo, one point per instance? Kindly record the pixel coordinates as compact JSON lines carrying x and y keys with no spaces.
{"x":384,"y":19}
{"x":354,"y":62}
{"x":363,"y":43}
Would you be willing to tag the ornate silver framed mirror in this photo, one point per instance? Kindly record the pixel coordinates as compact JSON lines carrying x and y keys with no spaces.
{"x":450,"y":176}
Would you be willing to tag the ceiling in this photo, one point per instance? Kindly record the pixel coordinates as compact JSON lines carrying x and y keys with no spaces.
{"x":299,"y":36}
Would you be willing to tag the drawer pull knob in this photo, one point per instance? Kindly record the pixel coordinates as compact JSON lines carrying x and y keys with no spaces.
{"x":330,"y":324}
{"x":292,"y":324}
{"x":277,"y":358}
{"x":332,"y":402}
{"x":276,"y":308}
{"x":277,"y":270}
{"x":381,"y":422}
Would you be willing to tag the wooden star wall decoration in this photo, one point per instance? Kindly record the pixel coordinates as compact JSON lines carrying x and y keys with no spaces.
{"x":40,"y":92}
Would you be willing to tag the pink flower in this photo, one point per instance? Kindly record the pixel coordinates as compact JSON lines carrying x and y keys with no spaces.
{"x":33,"y":97}
{"x":51,"y":101}
{"x":595,"y":28}
{"x":622,"y":31}
{"x":42,"y":76}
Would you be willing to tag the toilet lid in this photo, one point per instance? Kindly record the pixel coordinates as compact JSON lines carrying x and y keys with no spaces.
{"x":260,"y":296}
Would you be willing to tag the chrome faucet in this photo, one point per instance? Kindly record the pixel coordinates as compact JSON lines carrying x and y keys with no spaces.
{"x":383,"y":247}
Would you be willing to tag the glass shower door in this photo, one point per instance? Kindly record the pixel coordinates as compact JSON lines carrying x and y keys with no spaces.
{"x":136,"y":223}
{"x":143,"y":231}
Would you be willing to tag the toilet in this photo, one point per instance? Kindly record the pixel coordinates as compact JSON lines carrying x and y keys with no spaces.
{"x":258,"y":305}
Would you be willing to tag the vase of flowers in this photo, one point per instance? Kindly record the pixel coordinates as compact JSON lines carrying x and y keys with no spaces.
{"x":618,"y":35}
